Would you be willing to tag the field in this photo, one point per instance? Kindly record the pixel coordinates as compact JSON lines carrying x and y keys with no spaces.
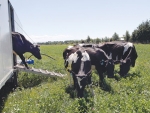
{"x":40,"y":94}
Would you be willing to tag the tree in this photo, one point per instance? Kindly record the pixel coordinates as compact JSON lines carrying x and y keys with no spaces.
{"x":82,"y":41}
{"x":88,"y":39}
{"x":97,"y":40}
{"x":106,"y":39}
{"x":142,"y":33}
{"x":127,"y":36}
{"x":110,"y":40}
{"x":115,"y":36}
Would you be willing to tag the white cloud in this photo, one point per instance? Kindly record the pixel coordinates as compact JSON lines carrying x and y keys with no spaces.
{"x":46,"y":38}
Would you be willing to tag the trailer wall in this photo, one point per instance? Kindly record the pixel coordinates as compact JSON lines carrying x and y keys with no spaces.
{"x":6,"y":53}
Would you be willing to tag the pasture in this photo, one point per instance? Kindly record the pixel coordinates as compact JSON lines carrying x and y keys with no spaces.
{"x":40,"y":94}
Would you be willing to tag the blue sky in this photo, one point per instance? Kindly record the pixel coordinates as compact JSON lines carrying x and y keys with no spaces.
{"x":60,"y":20}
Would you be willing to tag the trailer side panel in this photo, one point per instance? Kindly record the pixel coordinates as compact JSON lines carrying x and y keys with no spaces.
{"x":6,"y":54}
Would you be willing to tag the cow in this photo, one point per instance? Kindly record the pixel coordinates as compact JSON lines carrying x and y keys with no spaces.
{"x":121,"y":52}
{"x":80,"y":70}
{"x":98,"y":58}
{"x":22,"y":45}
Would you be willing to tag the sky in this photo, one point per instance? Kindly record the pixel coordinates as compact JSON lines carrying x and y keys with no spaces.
{"x":61,"y":20}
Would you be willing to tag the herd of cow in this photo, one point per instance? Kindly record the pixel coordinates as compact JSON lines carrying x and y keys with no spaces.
{"x":103,"y":57}
{"x":82,"y":56}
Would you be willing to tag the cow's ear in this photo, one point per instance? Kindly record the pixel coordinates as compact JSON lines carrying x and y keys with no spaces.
{"x":31,"y":46}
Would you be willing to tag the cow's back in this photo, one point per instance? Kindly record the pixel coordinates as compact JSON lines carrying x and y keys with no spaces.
{"x":18,"y":43}
{"x":113,"y":50}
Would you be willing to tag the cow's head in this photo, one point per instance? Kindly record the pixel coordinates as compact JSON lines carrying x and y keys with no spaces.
{"x":109,"y":64}
{"x":125,"y":66}
{"x":68,"y":52}
{"x":81,"y":70}
{"x":34,"y":49}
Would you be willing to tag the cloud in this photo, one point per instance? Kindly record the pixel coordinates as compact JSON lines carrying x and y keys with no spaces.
{"x":46,"y":38}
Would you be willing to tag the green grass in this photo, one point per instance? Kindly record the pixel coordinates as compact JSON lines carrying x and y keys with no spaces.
{"x":40,"y":94}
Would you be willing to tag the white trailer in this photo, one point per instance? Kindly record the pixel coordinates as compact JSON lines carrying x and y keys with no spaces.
{"x":7,"y":59}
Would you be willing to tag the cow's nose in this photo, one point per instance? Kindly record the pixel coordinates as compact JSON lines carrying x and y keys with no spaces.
{"x":40,"y":58}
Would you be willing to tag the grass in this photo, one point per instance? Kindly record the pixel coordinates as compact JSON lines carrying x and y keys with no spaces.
{"x":40,"y":94}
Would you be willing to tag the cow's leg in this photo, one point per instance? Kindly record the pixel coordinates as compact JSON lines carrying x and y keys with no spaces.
{"x":101,"y":77}
{"x":81,"y":86}
{"x":90,"y":85}
{"x":23,"y":60}
{"x":80,"y":92}
{"x":74,"y":81}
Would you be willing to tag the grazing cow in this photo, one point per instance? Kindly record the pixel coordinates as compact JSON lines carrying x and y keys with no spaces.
{"x":123,"y":53}
{"x":22,"y":45}
{"x":98,"y":58}
{"x":80,"y":69}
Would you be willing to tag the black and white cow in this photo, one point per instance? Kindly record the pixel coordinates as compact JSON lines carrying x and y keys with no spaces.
{"x":80,"y":69}
{"x":98,"y":58}
{"x":123,"y":53}
{"x":22,"y":45}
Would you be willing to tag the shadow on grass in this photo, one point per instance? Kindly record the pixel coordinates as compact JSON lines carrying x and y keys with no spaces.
{"x":4,"y":92}
{"x":106,"y":86}
{"x":131,"y":75}
{"x":71,"y":91}
{"x":83,"y":108}
{"x":33,"y":80}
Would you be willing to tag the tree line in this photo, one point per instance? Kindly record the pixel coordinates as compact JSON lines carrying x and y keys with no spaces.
{"x":140,"y":35}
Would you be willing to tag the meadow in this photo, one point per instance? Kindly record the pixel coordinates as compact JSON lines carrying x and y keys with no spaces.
{"x":41,"y":94}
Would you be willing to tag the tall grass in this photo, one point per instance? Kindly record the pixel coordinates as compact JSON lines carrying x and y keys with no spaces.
{"x":39,"y":94}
